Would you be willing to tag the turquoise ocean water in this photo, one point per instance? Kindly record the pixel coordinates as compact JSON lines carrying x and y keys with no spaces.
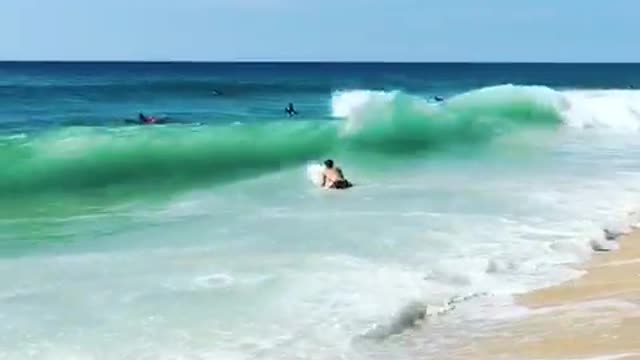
{"x":204,"y":238}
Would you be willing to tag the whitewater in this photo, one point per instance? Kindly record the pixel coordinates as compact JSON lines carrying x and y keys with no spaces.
{"x":207,"y":239}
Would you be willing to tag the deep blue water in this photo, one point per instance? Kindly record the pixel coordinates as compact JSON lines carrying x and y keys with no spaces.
{"x":38,"y":94}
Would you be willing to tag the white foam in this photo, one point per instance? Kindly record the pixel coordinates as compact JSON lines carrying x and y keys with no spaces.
{"x":608,"y":109}
{"x":361,"y":108}
{"x":345,"y":104}
{"x":628,"y":356}
{"x":585,"y":109}
{"x":214,"y":281}
{"x":314,"y":173}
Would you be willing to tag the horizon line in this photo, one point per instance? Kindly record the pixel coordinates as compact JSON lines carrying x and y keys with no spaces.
{"x":439,"y":62}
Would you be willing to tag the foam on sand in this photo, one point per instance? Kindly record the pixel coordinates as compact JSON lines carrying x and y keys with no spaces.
{"x":594,"y":317}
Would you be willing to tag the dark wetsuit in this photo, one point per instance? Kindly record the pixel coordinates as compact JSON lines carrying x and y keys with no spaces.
{"x":290,"y":110}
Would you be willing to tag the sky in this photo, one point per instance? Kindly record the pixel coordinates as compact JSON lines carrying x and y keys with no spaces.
{"x":320,"y":30}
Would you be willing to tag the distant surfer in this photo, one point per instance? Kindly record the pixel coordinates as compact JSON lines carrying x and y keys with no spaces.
{"x":290,"y":110}
{"x":143,"y":119}
{"x":333,"y":178}
{"x":438,"y":98}
{"x":147,"y":120}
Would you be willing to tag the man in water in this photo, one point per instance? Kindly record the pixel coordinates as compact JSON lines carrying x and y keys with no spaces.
{"x":290,"y":110}
{"x":332,"y":177}
{"x":146,"y":119}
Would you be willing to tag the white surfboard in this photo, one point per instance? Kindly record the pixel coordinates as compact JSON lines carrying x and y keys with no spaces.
{"x":314,"y":173}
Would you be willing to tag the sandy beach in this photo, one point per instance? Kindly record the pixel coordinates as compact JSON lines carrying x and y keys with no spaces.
{"x":596,"y":316}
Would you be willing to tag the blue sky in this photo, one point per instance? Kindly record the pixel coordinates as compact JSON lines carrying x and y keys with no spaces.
{"x":342,"y":30}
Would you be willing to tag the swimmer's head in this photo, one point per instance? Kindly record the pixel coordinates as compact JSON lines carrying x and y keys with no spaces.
{"x":328,"y":163}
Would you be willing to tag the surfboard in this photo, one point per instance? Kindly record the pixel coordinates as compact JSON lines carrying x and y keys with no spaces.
{"x":314,"y":173}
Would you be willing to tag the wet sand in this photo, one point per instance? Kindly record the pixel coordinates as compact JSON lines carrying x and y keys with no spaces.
{"x":594,"y":317}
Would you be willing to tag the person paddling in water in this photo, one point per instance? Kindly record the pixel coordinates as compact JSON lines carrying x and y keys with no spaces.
{"x":290,"y":110}
{"x":332,"y":177}
{"x":146,"y":119}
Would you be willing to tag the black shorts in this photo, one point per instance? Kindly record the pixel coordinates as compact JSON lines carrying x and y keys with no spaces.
{"x":341,"y":184}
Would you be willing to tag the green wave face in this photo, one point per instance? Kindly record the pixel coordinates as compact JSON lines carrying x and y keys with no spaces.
{"x":75,"y":159}
{"x":401,"y":123}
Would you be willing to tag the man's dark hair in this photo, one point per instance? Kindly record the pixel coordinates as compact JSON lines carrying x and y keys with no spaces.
{"x":328,"y":163}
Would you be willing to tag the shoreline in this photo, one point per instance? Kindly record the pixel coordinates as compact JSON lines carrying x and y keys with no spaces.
{"x":596,"y":316}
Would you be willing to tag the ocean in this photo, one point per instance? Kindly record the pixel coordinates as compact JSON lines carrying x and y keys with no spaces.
{"x":204,"y":237}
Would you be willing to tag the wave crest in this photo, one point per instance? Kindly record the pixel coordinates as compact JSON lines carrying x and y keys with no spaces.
{"x":402,"y":122}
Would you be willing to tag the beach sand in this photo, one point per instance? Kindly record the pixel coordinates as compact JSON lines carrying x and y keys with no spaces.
{"x":594,"y":317}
